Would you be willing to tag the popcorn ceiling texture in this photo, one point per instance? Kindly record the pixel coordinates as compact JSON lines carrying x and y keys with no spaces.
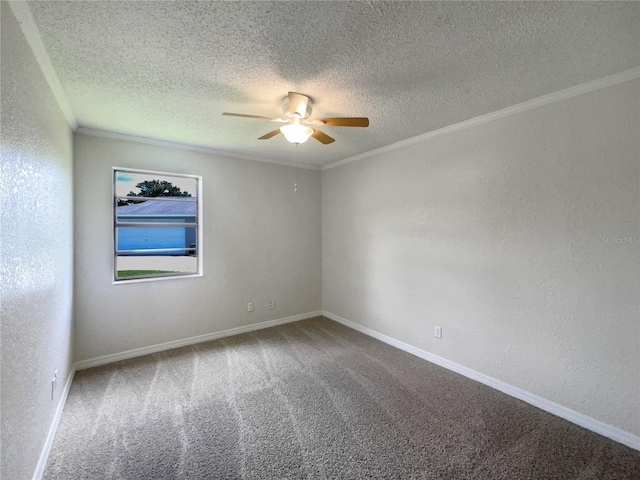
{"x":36,"y":253}
{"x":167,"y":70}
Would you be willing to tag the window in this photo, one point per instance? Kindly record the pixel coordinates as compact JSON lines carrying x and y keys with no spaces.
{"x":157,"y":227}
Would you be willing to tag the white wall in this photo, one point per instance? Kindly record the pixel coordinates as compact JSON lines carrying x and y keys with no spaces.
{"x":37,"y":252}
{"x":261,"y":242}
{"x":497,"y":233}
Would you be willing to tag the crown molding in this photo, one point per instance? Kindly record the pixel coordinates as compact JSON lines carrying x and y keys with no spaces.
{"x":30,"y":30}
{"x":565,"y":94}
{"x":31,"y":33}
{"x":95,"y":132}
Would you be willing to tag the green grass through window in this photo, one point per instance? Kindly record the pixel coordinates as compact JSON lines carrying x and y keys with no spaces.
{"x":136,"y":273}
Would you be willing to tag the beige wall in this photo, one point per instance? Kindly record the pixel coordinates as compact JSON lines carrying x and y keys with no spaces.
{"x":261,"y":242}
{"x":505,"y":235}
{"x":518,"y":236}
{"x":36,"y":254}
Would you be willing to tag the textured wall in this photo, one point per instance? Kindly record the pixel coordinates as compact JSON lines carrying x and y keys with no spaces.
{"x":510,"y":235}
{"x":261,"y":242}
{"x":36,"y":202}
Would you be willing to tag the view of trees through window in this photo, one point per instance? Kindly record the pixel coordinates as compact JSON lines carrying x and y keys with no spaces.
{"x":154,"y":188}
{"x":156,"y":224}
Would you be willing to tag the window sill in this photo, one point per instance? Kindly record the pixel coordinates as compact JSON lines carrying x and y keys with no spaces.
{"x":156,"y":279}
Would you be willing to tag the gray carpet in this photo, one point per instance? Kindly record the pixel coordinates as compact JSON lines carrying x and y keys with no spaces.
{"x":312,"y":399}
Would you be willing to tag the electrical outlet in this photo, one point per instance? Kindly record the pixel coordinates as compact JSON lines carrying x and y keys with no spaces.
{"x":271,"y":305}
{"x":437,"y":331}
{"x":54,"y":383}
{"x":250,"y":307}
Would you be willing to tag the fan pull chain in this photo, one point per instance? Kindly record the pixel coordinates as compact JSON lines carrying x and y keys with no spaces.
{"x":295,"y":185}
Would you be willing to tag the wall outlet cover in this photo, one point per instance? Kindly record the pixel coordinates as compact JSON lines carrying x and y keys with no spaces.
{"x":437,"y":331}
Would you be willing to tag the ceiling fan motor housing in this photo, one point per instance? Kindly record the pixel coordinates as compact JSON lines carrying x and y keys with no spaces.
{"x":297,"y":106}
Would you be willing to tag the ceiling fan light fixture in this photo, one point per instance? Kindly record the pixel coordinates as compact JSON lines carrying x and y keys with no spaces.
{"x":296,"y":133}
{"x":297,"y":110}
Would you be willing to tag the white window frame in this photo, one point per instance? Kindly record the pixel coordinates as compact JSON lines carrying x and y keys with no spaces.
{"x":197,"y":225}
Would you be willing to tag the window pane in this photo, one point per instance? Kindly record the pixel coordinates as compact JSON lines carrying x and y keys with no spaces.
{"x":153,"y":185}
{"x":132,"y":266}
{"x":147,"y":238}
{"x":155,"y":224}
{"x":157,"y":211}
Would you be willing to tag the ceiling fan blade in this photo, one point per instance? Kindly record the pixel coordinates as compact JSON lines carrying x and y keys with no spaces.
{"x":272,"y":133}
{"x":345,"y":122}
{"x":260,"y":117}
{"x":298,"y":104}
{"x":322,"y":137}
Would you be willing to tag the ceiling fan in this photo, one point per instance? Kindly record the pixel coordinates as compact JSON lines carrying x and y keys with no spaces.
{"x":299,"y":127}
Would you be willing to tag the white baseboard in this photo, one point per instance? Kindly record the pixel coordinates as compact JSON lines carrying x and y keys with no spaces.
{"x":161,"y":347}
{"x":589,"y":423}
{"x":44,"y":455}
{"x":138,"y":352}
{"x":609,"y":431}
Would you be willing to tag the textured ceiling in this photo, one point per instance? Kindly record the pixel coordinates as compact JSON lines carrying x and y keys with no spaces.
{"x":167,"y":70}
